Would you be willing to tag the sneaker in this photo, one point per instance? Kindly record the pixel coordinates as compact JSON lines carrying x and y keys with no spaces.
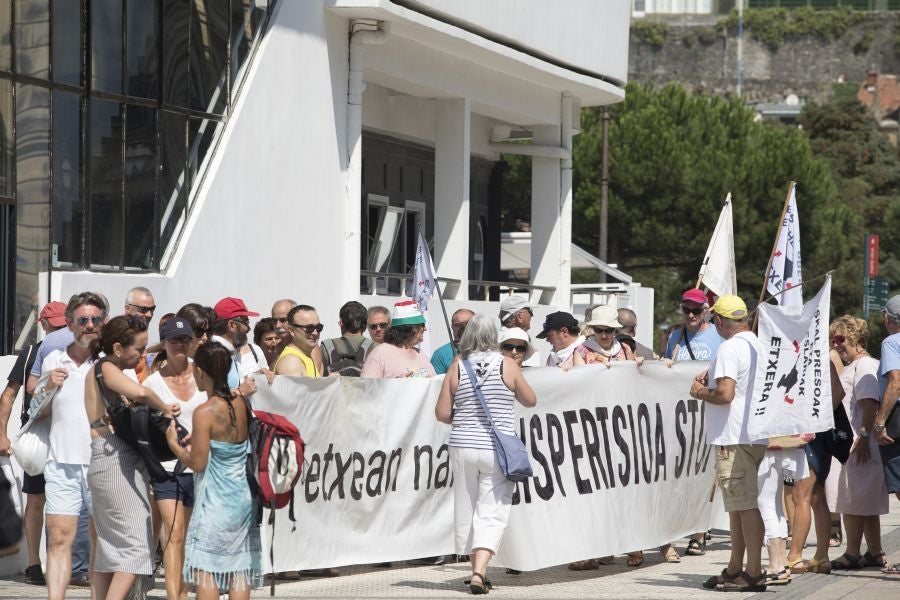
{"x":80,"y":580}
{"x":34,"y":575}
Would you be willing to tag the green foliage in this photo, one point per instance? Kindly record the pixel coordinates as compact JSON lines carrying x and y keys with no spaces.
{"x":897,"y":39}
{"x":773,"y":26}
{"x":652,"y":33}
{"x":864,"y":43}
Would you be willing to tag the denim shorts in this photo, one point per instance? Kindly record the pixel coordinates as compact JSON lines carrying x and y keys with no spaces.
{"x":66,"y":488}
{"x":181,"y":488}
{"x":818,"y":457}
{"x":890,"y":461}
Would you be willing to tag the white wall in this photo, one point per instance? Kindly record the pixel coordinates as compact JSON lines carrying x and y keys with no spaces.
{"x":588,"y":34}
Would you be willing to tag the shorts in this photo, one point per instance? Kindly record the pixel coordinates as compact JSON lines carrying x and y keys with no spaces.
{"x":736,"y":475}
{"x":818,"y":456}
{"x":66,"y":489}
{"x":33,"y":484}
{"x":181,"y":488}
{"x":890,"y":462}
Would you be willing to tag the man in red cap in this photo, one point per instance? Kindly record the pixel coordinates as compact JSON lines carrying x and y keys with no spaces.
{"x":696,"y":339}
{"x":231,"y":329}
{"x":51,"y":318}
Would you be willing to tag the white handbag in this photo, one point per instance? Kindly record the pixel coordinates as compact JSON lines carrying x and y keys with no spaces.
{"x":31,"y":446}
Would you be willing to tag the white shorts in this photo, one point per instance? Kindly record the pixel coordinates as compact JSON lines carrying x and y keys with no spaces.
{"x":66,"y":489}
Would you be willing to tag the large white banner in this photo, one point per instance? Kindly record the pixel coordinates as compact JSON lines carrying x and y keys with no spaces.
{"x":794,"y":375}
{"x":619,"y":456}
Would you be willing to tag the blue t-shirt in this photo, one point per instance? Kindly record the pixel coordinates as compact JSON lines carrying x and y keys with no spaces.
{"x":890,"y":359}
{"x":56,"y":340}
{"x":704,"y":344}
{"x":443,"y":358}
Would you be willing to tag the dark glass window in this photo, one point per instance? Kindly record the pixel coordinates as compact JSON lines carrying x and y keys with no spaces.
{"x":209,"y":55}
{"x":140,"y":187}
{"x":241,"y":36}
{"x":176,"y":28}
{"x":7,"y":155}
{"x":6,"y":35}
{"x":173,"y":171}
{"x":33,"y":38}
{"x":67,"y":206}
{"x":142,"y":34}
{"x":106,"y":45}
{"x":67,"y":42}
{"x":106,"y":183}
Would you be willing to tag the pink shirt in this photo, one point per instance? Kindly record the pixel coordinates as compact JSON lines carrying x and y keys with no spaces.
{"x":387,"y":361}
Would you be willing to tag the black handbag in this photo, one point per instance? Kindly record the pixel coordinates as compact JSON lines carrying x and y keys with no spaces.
{"x":840,"y":439}
{"x":892,"y":424}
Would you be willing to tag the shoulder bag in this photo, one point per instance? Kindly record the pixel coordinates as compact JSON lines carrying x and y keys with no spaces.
{"x":511,"y":452}
{"x":31,"y":445}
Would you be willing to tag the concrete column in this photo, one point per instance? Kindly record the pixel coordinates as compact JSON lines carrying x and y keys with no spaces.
{"x":451,"y":194}
{"x":564,"y":274}
{"x":545,"y":223}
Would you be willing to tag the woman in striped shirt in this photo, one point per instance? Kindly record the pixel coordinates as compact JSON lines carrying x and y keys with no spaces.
{"x":482,"y":494}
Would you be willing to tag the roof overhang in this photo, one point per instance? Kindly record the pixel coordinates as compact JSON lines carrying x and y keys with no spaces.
{"x":515,"y":253}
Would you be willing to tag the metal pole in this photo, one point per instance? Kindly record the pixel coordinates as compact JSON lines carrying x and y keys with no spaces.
{"x":740,"y":48}
{"x":604,"y":193}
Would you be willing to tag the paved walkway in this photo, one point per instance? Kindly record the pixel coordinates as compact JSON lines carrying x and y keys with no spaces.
{"x":655,"y":579}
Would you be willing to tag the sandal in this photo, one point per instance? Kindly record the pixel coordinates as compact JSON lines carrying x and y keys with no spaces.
{"x":695,"y":548}
{"x":892,"y":570}
{"x":796,"y":567}
{"x":782,"y":577}
{"x":744,"y":583}
{"x":479,"y":588}
{"x":717,"y":580}
{"x":670,"y":554}
{"x":847,"y":562}
{"x":874,"y":560}
{"x":635,"y":559}
{"x":823,"y":567}
{"x":837,"y":537}
{"x":606,"y":560}
{"x":590,"y":564}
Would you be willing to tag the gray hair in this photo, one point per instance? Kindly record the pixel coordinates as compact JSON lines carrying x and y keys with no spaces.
{"x":379,"y":310}
{"x":129,"y":297}
{"x":480,"y":335}
{"x":627,"y":318}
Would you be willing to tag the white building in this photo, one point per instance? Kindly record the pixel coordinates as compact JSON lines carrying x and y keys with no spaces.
{"x":287,"y":149}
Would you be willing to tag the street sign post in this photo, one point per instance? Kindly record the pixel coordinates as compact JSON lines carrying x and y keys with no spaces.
{"x":875,"y":288}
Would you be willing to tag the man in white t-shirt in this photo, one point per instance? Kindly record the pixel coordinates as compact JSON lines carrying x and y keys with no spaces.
{"x":727,"y":388}
{"x":66,"y":489}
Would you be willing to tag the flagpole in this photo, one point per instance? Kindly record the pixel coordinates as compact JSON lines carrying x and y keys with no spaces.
{"x":762,"y":294}
{"x":715,"y":232}
{"x":437,"y":287}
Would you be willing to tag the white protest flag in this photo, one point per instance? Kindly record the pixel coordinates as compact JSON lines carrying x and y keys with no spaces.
{"x":718,"y":271}
{"x":424,"y":283}
{"x":792,"y":392}
{"x":784,"y":280}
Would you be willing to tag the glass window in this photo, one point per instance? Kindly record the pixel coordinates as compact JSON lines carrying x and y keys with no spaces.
{"x":67,"y":206}
{"x":7,"y":156}
{"x":141,"y":54}
{"x":33,"y":37}
{"x":32,"y":203}
{"x":105,"y":184}
{"x":67,"y":42}
{"x":140,"y":186}
{"x":241,"y":35}
{"x":106,"y":45}
{"x":209,"y":55}
{"x":175,"y":28}
{"x":173,"y":185}
{"x":6,"y":35}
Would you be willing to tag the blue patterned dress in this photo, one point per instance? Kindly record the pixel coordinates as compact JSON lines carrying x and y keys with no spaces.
{"x":223,"y":538}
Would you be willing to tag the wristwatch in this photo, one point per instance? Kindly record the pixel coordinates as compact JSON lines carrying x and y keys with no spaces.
{"x":877,"y":428}
{"x":864,"y":434}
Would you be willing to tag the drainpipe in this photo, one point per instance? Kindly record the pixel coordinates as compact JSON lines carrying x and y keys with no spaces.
{"x":362,"y":33}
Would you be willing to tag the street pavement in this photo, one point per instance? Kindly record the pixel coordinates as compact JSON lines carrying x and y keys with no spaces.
{"x":655,"y":579}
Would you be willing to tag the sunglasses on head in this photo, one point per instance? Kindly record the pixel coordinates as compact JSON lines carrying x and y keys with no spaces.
{"x":309,"y":329}
{"x":603,"y":330}
{"x":692,"y":311}
{"x":520,"y":348}
{"x":95,"y":320}
{"x":838,"y":339}
{"x":377,"y":326}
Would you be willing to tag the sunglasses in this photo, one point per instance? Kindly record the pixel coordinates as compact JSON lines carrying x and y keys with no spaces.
{"x":515,"y":348}
{"x":309,"y":329}
{"x":692,"y":311}
{"x":838,"y":340}
{"x":603,"y":330}
{"x":377,"y":326}
{"x":242,"y":320}
{"x":144,"y":310}
{"x":95,"y":320}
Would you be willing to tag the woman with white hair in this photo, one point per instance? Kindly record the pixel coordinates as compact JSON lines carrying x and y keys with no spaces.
{"x":482,"y":494}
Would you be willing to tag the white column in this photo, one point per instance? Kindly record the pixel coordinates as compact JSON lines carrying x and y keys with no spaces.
{"x":451,"y":194}
{"x":564,"y":274}
{"x":545,"y":223}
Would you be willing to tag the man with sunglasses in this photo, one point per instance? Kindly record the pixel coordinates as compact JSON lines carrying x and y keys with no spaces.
{"x":297,"y":357}
{"x":378,"y":322}
{"x":696,"y":339}
{"x":139,"y":303}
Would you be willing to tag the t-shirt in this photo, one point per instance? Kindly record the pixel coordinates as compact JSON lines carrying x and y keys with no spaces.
{"x":156,"y":383}
{"x":890,"y":360}
{"x":387,"y":361}
{"x":737,"y":359}
{"x":442,"y":358}
{"x":859,"y":380}
{"x":55,"y":340}
{"x":252,"y":360}
{"x":70,"y":434}
{"x":704,"y":344}
{"x":20,"y":371}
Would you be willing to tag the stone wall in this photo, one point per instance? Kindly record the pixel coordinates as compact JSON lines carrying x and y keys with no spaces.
{"x":701,"y":55}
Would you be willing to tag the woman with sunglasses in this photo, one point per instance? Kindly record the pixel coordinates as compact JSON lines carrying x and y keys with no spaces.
{"x":515,"y":343}
{"x":862,"y":495}
{"x":398,"y":355}
{"x":602,"y":347}
{"x":695,"y":338}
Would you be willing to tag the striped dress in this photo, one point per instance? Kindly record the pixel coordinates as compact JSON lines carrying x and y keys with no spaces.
{"x":471,"y":427}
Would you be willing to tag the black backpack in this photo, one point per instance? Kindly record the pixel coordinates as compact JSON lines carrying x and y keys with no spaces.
{"x":342,"y":358}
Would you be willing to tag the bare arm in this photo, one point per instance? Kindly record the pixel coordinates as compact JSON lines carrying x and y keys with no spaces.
{"x":6,"y":403}
{"x":888,"y":401}
{"x":196,"y":455}
{"x":120,"y":383}
{"x":443,"y":409}
{"x":515,"y":381}
{"x":837,"y":390}
{"x":30,"y":384}
{"x":723,"y":393}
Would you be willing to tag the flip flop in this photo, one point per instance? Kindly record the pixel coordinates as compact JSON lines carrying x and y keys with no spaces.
{"x":671,"y":555}
{"x":892,"y":570}
{"x":782,"y":577}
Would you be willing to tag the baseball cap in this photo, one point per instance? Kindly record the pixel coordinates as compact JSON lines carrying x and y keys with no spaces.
{"x":511,"y":305}
{"x":892,"y":308}
{"x":229,"y":308}
{"x":174,"y":327}
{"x":558,"y":320}
{"x":730,"y":307}
{"x":406,"y":313}
{"x":55,"y":313}
{"x":694,"y":295}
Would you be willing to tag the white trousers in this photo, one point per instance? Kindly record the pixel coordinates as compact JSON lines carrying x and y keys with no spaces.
{"x":482,"y":497}
{"x":772,"y":470}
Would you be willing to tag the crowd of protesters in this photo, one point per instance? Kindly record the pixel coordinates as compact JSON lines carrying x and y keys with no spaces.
{"x":199,"y":372}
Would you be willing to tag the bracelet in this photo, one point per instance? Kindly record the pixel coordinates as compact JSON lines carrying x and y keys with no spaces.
{"x":877,"y":428}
